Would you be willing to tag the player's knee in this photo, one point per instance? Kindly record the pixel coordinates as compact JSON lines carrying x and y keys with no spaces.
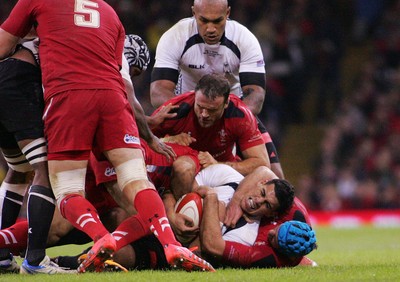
{"x":129,"y":171}
{"x":183,"y":165}
{"x":18,"y":162}
{"x":36,"y":151}
{"x":68,"y":182}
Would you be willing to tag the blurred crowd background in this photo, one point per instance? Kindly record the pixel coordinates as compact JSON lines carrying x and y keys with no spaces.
{"x":333,"y":67}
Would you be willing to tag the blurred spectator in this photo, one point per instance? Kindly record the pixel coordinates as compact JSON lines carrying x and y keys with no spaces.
{"x":367,"y":14}
{"x":328,"y":52}
{"x":359,"y":153}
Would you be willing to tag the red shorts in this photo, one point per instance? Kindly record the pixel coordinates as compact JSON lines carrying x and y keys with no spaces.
{"x":78,"y":120}
{"x":157,"y":165}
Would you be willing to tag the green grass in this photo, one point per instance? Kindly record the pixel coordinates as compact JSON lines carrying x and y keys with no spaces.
{"x":362,"y":254}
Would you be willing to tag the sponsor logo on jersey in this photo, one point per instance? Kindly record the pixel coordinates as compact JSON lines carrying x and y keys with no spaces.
{"x":227,"y":69}
{"x":260,"y":243}
{"x":196,"y":67}
{"x":151,"y":168}
{"x":218,"y":154}
{"x":211,"y":53}
{"x":260,"y":63}
{"x":109,"y":171}
{"x":222,"y":136}
{"x":129,"y":139}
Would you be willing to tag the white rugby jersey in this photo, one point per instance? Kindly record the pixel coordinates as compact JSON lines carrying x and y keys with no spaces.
{"x":181,"y":48}
{"x":33,"y":47}
{"x":125,"y":69}
{"x":224,"y":180}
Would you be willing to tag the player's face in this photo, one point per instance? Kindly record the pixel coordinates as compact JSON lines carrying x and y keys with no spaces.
{"x":211,"y":21}
{"x":208,"y":111}
{"x":261,"y":201}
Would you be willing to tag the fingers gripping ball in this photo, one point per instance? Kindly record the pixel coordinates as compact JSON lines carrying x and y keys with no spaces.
{"x":296,"y":238}
{"x":136,"y":52}
{"x":191,"y":205}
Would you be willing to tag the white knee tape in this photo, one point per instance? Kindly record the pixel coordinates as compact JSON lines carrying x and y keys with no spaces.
{"x":129,"y":171}
{"x":68,"y":182}
{"x":36,"y":151}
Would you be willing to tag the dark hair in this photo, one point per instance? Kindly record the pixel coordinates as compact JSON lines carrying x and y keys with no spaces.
{"x":284,"y":192}
{"x":214,"y":85}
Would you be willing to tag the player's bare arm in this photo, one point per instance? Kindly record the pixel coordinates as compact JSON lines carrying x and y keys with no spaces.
{"x":7,"y":43}
{"x":144,"y":130}
{"x":164,"y":113}
{"x":183,"y":139}
{"x":253,"y":157}
{"x":253,"y":97}
{"x":161,"y":91}
{"x":210,"y":230}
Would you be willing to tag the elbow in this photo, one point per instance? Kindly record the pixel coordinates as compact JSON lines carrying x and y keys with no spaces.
{"x":212,"y":245}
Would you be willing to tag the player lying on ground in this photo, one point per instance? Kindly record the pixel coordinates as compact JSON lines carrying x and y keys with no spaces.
{"x":147,"y":253}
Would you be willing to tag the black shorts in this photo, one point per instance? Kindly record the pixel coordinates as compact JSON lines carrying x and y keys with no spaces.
{"x":22,"y":104}
{"x":149,"y":254}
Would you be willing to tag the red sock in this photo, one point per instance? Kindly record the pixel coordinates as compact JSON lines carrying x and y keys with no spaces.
{"x":83,"y":216}
{"x":15,"y":237}
{"x":130,"y":230}
{"x":151,"y":209}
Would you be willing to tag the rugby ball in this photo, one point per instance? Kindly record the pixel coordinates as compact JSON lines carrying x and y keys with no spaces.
{"x":191,"y":205}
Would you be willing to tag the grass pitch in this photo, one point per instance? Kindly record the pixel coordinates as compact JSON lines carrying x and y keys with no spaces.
{"x":361,"y":254}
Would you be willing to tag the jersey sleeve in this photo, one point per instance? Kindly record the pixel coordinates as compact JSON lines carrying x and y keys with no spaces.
{"x":169,"y":49}
{"x":125,"y":70}
{"x":217,"y":175}
{"x":20,"y":20}
{"x":252,"y":59}
{"x":239,"y":255}
{"x":260,"y":255}
{"x":248,"y":133}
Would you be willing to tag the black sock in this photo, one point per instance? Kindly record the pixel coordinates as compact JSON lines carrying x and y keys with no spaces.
{"x":41,"y":205}
{"x":4,"y":254}
{"x":76,"y":237}
{"x":70,"y":262}
{"x":10,"y":207}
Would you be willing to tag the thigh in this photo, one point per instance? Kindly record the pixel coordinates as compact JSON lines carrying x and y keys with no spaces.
{"x":71,"y":120}
{"x":117,"y":127}
{"x":21,"y":96}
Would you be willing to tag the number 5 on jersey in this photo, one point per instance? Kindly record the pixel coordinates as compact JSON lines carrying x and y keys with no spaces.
{"x":90,"y":17}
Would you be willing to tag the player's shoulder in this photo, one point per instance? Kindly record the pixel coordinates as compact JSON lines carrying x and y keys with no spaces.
{"x":187,"y":97}
{"x":185,"y":27}
{"x":241,"y":36}
{"x":236,"y":108}
{"x":185,"y":102}
{"x":235,"y":29}
{"x":297,"y":212}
